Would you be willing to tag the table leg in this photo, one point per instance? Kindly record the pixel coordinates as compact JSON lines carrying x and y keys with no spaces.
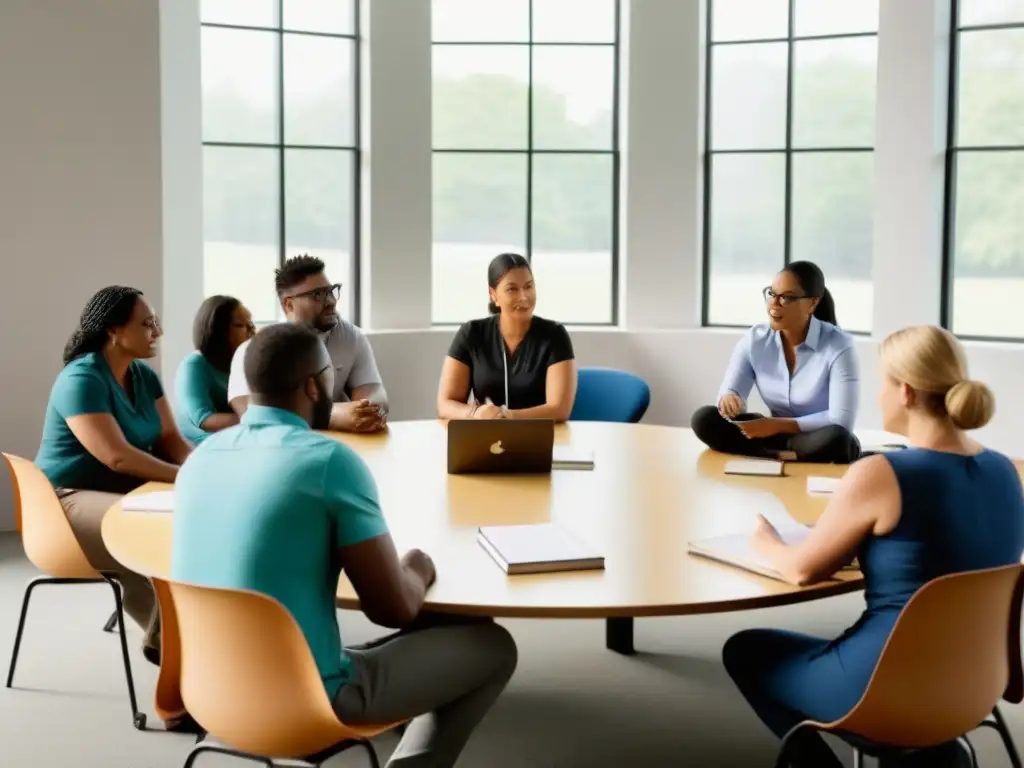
{"x":618,"y":635}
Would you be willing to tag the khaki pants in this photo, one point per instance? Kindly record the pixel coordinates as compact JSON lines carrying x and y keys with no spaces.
{"x":85,"y":511}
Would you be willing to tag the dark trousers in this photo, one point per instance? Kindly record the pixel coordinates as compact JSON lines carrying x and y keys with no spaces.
{"x":829,"y":445}
{"x":788,"y":677}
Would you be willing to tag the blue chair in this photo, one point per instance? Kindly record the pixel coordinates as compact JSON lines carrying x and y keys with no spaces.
{"x":607,"y":394}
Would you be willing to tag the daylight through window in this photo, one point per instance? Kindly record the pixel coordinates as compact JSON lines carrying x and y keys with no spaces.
{"x":281,"y":157}
{"x":525,"y":137}
{"x":985,"y":173}
{"x":789,"y":171}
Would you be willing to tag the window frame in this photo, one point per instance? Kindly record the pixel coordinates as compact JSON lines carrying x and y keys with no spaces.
{"x":953,"y":150}
{"x":281,"y":147}
{"x":529,"y":151}
{"x":787,"y":151}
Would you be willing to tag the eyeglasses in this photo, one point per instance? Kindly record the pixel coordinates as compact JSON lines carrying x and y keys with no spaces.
{"x":152,"y":323}
{"x":784,"y":299}
{"x":319,"y":295}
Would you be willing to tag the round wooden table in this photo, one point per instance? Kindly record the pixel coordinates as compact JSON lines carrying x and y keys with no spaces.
{"x":651,"y":490}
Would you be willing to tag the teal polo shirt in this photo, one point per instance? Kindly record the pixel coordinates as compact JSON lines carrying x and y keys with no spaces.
{"x":266,"y":506}
{"x":86,"y":386}
{"x":200,"y":391}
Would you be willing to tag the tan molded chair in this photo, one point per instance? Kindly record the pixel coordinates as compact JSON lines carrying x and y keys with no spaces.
{"x":51,"y":546}
{"x":248,"y":679}
{"x":954,"y":652}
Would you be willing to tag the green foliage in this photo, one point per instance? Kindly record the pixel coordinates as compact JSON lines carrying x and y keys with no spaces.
{"x":481,"y":197}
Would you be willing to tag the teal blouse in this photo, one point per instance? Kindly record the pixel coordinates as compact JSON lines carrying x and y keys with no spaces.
{"x":200,"y":391}
{"x":87,"y":385}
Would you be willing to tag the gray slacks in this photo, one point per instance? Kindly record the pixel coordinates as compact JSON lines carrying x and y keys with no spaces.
{"x":445,"y":676}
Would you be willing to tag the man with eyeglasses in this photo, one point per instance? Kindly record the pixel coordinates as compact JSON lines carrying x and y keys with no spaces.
{"x":306,"y":296}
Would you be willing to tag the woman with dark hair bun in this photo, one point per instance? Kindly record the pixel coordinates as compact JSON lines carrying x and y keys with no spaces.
{"x":221,"y":326}
{"x":514,"y":364}
{"x":806,"y":371}
{"x":108,"y":429}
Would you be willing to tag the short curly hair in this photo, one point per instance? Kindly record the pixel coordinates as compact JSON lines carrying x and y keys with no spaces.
{"x":294,"y":271}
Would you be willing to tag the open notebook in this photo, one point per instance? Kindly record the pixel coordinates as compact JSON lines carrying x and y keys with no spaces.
{"x":538,"y":548}
{"x":737,"y":549}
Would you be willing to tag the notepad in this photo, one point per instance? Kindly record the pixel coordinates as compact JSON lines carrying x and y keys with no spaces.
{"x":158,"y":501}
{"x":567,"y":458}
{"x":538,"y":548}
{"x":754,"y":467}
{"x":738,"y":549}
{"x":823,"y":485}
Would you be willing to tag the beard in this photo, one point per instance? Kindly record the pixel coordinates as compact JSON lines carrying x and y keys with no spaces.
{"x":322,"y":409}
{"x":323,"y":323}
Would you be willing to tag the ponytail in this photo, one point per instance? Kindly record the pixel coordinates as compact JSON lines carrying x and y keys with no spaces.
{"x":812,"y":281}
{"x":110,"y":307}
{"x":82,"y":343}
{"x":826,"y":309}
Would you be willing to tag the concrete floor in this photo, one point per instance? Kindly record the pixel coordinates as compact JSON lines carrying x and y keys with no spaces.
{"x":571,"y":702}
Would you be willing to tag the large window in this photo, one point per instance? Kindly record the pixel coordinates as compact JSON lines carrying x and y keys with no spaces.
{"x":280,"y":144}
{"x":985,"y":172}
{"x":525,"y":137}
{"x":789,"y":169}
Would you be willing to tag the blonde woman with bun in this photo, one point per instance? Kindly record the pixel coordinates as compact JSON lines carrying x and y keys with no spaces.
{"x":945,"y":505}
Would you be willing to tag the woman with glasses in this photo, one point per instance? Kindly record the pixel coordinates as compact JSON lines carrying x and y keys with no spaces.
{"x":221,"y":326}
{"x":806,"y":371}
{"x":109,"y":429}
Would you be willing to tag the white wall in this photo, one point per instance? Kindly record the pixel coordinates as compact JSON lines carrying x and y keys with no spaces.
{"x":684,"y":369}
{"x":83,"y":202}
{"x":80,"y":184}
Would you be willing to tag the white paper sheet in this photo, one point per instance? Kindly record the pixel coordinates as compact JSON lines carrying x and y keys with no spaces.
{"x":158,"y":501}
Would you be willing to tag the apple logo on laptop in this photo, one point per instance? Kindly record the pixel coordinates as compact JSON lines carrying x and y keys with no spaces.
{"x":496,"y":448}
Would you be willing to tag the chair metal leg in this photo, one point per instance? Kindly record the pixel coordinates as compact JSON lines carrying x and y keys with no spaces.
{"x":858,"y":758}
{"x":1004,"y":733}
{"x":24,"y":612}
{"x":138,"y":718}
{"x":965,"y":743}
{"x":111,"y":624}
{"x":21,"y":627}
{"x":205,"y":747}
{"x":782,"y":760}
{"x":371,"y":753}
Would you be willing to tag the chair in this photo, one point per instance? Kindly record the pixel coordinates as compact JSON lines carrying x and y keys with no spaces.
{"x":607,"y":394}
{"x":51,"y":546}
{"x":248,"y":679}
{"x":954,"y":652}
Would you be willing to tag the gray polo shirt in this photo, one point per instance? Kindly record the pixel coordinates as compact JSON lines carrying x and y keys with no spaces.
{"x":350,"y":352}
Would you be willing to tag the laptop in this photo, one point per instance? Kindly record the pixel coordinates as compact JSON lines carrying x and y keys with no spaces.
{"x":500,"y":446}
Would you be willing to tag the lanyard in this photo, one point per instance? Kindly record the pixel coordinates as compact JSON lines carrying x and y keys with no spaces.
{"x":504,"y":359}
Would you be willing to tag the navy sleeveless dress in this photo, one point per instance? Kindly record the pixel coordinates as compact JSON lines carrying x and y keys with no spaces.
{"x":959,"y":513}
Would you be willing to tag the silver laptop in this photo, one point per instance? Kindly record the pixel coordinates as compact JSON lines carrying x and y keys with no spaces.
{"x":500,"y":446}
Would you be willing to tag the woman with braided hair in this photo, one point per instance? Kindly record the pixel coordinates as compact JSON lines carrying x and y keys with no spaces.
{"x":108,"y":429}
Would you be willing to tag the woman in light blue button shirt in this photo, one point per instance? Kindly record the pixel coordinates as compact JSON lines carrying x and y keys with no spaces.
{"x":806,"y":371}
